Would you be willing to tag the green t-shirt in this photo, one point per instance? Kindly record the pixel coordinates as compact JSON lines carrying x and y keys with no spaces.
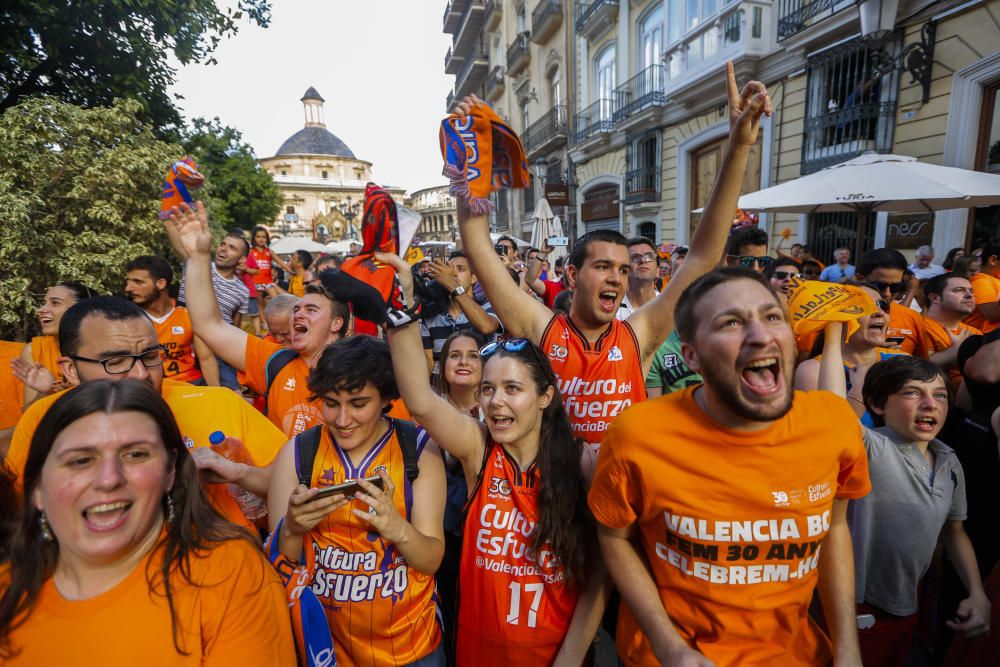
{"x":669,"y":370}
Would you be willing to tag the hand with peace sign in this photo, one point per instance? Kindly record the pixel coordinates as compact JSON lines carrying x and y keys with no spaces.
{"x":745,"y":108}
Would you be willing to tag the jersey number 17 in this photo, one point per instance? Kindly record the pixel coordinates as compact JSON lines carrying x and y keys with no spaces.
{"x":514,"y":615}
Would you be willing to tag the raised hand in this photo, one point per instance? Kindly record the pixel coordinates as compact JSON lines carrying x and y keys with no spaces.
{"x":745,"y":108}
{"x":190,"y":227}
{"x":442,"y":272}
{"x":36,"y":376}
{"x":403,"y":273}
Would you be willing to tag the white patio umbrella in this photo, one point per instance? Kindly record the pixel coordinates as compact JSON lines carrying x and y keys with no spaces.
{"x":546,"y":225}
{"x":874,"y":182}
{"x":289,"y":244}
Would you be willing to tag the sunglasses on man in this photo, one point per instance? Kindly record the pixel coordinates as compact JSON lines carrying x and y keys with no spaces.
{"x":894,"y":288}
{"x":747,"y":261}
{"x":786,"y":275}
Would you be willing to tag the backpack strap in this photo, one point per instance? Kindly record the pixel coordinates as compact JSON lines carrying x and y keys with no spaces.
{"x":406,"y":433}
{"x":306,"y":446}
{"x":275,"y":363}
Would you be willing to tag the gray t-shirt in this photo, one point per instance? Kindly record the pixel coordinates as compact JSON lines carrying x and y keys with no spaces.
{"x":896,"y":527}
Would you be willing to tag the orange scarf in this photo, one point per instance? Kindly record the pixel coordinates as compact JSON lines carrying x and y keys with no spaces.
{"x":183,"y":174}
{"x":481,"y":154}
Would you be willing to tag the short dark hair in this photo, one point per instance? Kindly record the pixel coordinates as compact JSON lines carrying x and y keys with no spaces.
{"x":333,"y":260}
{"x":781,"y":261}
{"x":991,"y":249}
{"x":157,"y":267}
{"x":305,"y":258}
{"x":349,"y":363}
{"x":113,"y":308}
{"x":797,"y":245}
{"x":745,"y":236}
{"x":881,"y":258}
{"x":456,"y":254}
{"x":889,"y":376}
{"x":79,"y":290}
{"x":339,"y":308}
{"x":509,"y":239}
{"x":581,"y":249}
{"x":684,"y":318}
{"x":938,"y":285}
{"x":640,"y":240}
{"x":811,"y":262}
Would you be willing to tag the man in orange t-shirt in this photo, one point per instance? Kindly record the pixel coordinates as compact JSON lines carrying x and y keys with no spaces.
{"x":883,"y":268}
{"x":147,"y":281}
{"x":318,"y":319}
{"x":720,"y":508}
{"x":949,"y":300}
{"x":986,"y":285}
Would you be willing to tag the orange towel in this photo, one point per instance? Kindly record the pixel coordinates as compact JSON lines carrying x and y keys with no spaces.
{"x":812,"y":304}
{"x":481,"y":154}
{"x":183,"y":174}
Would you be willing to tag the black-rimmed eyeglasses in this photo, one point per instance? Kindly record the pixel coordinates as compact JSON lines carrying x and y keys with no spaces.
{"x":123,"y":363}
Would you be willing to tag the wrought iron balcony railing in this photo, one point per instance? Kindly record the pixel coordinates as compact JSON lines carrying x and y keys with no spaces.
{"x":642,"y":185}
{"x":518,"y":53}
{"x":796,"y":15}
{"x":592,"y":120}
{"x":547,"y":131}
{"x":545,"y":18}
{"x":645,"y":89}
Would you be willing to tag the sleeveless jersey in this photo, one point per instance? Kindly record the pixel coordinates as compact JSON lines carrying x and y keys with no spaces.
{"x":381,"y":611}
{"x":512,"y":609}
{"x":174,"y":331}
{"x":597,"y":380}
{"x":45,"y":351}
{"x":263,"y":259}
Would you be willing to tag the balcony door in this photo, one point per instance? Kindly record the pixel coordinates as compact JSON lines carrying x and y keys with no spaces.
{"x":606,"y":80}
{"x":651,"y":43}
{"x":705,"y":163}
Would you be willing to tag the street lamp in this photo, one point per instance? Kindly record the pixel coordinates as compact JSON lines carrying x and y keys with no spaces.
{"x":350,"y":211}
{"x":878,"y":18}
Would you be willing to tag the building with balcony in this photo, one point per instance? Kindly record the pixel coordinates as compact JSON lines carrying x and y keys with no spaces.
{"x":319,"y":177}
{"x":526,"y":81}
{"x":437,"y":214}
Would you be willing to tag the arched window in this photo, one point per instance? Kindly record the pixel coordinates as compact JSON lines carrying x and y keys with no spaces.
{"x":605,"y":73}
{"x":651,"y":37}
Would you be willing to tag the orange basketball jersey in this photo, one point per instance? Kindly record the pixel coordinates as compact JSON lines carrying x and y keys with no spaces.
{"x":174,"y":331}
{"x":263,"y":259}
{"x":45,"y":351}
{"x":597,"y":380}
{"x":513,"y":609}
{"x":381,"y":611}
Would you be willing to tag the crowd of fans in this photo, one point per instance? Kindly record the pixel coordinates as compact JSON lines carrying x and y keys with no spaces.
{"x":631,"y":437}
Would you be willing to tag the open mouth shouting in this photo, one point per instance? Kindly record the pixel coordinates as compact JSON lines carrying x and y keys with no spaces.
{"x":762,"y":377}
{"x":501,"y":423}
{"x":106,"y":517}
{"x":926,"y":424}
{"x":608,"y":300}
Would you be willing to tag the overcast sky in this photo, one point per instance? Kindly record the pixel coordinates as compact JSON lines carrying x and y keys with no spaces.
{"x":379,"y":64}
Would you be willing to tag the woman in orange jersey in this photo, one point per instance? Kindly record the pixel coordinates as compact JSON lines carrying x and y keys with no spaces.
{"x":118,"y":557}
{"x":368,"y":557}
{"x":37,"y":366}
{"x":528,"y":533}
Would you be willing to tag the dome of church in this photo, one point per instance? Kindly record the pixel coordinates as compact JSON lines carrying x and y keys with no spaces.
{"x":315,"y":141}
{"x":314,"y":138}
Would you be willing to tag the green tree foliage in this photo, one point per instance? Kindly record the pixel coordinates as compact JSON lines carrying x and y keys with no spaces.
{"x":90,"y":52}
{"x":79,"y":197}
{"x":238,"y":192}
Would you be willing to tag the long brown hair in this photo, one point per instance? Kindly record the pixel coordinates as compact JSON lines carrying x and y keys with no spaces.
{"x":197,"y":525}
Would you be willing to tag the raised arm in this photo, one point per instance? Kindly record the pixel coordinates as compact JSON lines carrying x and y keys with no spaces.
{"x":836,"y":587}
{"x":206,"y":361}
{"x":520,"y":314}
{"x":653,"y":322}
{"x":190,"y":227}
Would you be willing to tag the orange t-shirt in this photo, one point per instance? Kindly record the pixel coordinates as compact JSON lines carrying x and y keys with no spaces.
{"x":513,"y":608}
{"x":288,"y":404}
{"x":174,"y":331}
{"x":199,"y":412}
{"x":45,"y":351}
{"x":381,"y":611}
{"x":986,"y":289}
{"x":237,"y":615}
{"x":731,"y":522}
{"x":11,"y":389}
{"x":597,"y":381}
{"x":939,"y":340}
{"x":908,"y":323}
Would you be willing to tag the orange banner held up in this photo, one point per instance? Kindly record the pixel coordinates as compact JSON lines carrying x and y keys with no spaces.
{"x":812,"y":304}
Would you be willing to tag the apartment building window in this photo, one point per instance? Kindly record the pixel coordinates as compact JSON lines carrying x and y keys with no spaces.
{"x":642,"y":178}
{"x":525,"y":118}
{"x":651,"y":42}
{"x":324,"y":174}
{"x":850,"y":105}
{"x":986,"y":219}
{"x":522,"y":19}
{"x":675,"y":21}
{"x":290,"y":210}
{"x":605,"y":65}
{"x":555,"y":82}
{"x":498,"y":52}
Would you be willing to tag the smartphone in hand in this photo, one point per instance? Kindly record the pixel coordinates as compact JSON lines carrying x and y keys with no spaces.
{"x":347,"y":489}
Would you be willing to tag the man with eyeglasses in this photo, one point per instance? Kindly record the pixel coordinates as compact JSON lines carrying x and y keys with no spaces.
{"x":747,"y":247}
{"x":110,"y":338}
{"x":883,"y":268}
{"x":642,"y":259}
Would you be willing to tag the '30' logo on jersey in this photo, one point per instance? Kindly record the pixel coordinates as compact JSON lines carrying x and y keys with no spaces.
{"x":499,"y":485}
{"x":558,"y":352}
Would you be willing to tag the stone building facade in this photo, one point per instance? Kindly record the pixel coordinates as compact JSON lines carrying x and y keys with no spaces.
{"x":437,"y":214}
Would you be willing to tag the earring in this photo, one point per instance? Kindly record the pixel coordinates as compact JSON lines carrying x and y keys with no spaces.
{"x":43,"y":527}
{"x":171,"y":510}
